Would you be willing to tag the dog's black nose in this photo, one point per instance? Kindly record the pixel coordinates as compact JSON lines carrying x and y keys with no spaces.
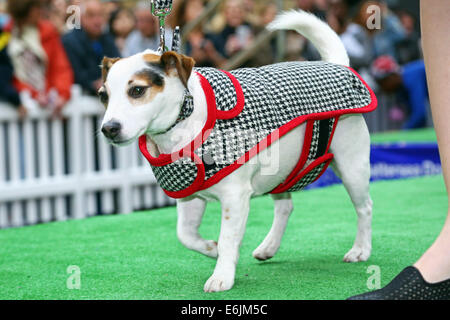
{"x":111,"y":129}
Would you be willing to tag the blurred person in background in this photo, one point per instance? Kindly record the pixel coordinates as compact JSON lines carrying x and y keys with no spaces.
{"x":363,"y":42}
{"x":268,"y":13}
{"x":357,"y":38}
{"x":297,"y":46}
{"x":57,"y":14}
{"x":110,"y":6}
{"x":237,"y":33}
{"x":408,"y":49}
{"x":199,"y":45}
{"x":390,"y":33}
{"x":87,"y":46}
{"x":147,"y":34}
{"x":366,"y":42}
{"x":338,"y":16}
{"x":409,"y":85}
{"x":252,"y":16}
{"x":267,"y":53}
{"x":316,"y":7}
{"x":39,"y":61}
{"x":8,"y":93}
{"x":121,"y":24}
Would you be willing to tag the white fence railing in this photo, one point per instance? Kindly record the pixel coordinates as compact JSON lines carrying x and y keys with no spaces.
{"x":56,"y":169}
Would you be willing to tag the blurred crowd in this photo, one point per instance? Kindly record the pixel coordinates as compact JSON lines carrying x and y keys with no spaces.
{"x":48,"y":45}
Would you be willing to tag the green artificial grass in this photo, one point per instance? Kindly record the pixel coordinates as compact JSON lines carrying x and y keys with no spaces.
{"x":416,"y":135}
{"x":138,"y":256}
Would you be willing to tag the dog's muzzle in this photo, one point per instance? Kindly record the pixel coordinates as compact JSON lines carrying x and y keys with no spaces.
{"x":111,"y":129}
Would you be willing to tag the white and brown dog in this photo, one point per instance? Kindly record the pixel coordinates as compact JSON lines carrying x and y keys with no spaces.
{"x":168,"y":105}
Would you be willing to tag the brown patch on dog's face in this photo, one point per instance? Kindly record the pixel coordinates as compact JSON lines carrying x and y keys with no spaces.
{"x":107,"y":63}
{"x":172,"y":64}
{"x":183,"y":65}
{"x":144,"y":86}
{"x":103,"y":96}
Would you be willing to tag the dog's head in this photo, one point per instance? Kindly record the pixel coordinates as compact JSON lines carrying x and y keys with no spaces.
{"x":142,"y":94}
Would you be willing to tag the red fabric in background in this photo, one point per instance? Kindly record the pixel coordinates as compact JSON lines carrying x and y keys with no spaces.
{"x":59,"y":74}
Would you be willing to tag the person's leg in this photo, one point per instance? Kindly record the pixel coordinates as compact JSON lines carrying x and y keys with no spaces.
{"x":430,"y":276}
{"x":434,"y":265}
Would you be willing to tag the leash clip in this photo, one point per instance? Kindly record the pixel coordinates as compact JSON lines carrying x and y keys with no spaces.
{"x":161,"y":9}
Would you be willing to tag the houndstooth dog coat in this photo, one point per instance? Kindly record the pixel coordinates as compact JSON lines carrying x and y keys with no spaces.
{"x":250,"y":108}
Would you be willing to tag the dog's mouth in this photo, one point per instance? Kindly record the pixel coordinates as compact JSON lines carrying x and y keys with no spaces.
{"x":121,"y":142}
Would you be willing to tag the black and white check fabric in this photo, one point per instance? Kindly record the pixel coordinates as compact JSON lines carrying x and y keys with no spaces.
{"x":313,"y":149}
{"x":321,"y":133}
{"x":274,"y":96}
{"x":177,"y":175}
{"x":307,"y":179}
{"x":222,"y":86}
{"x":162,"y":4}
{"x":176,"y":39}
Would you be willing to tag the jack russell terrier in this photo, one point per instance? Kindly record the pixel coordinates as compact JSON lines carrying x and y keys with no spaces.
{"x":229,"y":136}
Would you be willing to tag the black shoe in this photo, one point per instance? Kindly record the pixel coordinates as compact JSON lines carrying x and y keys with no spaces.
{"x":409,"y":285}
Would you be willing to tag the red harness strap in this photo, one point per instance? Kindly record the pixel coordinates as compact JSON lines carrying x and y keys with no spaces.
{"x":302,"y":169}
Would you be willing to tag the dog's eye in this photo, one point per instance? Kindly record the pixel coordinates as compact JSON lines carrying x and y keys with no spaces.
{"x":137,"y":92}
{"x":103,"y":97}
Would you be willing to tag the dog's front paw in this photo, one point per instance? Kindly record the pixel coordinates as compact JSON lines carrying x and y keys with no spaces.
{"x":218,"y":283}
{"x":357,"y":254}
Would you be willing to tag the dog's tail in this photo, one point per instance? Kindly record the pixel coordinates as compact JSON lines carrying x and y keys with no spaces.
{"x":326,"y":41}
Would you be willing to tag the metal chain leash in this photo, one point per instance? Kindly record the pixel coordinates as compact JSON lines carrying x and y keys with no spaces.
{"x":161,"y":9}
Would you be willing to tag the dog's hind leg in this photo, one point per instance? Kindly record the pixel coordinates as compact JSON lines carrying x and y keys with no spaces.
{"x":351,"y":148}
{"x":271,"y":243}
{"x":190,"y":214}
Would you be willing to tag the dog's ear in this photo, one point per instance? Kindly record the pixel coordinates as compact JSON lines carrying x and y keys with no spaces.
{"x":182,"y":64}
{"x":107,"y":63}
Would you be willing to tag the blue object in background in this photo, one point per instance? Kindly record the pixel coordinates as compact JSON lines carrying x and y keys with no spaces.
{"x":416,"y":92}
{"x":395,"y":161}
